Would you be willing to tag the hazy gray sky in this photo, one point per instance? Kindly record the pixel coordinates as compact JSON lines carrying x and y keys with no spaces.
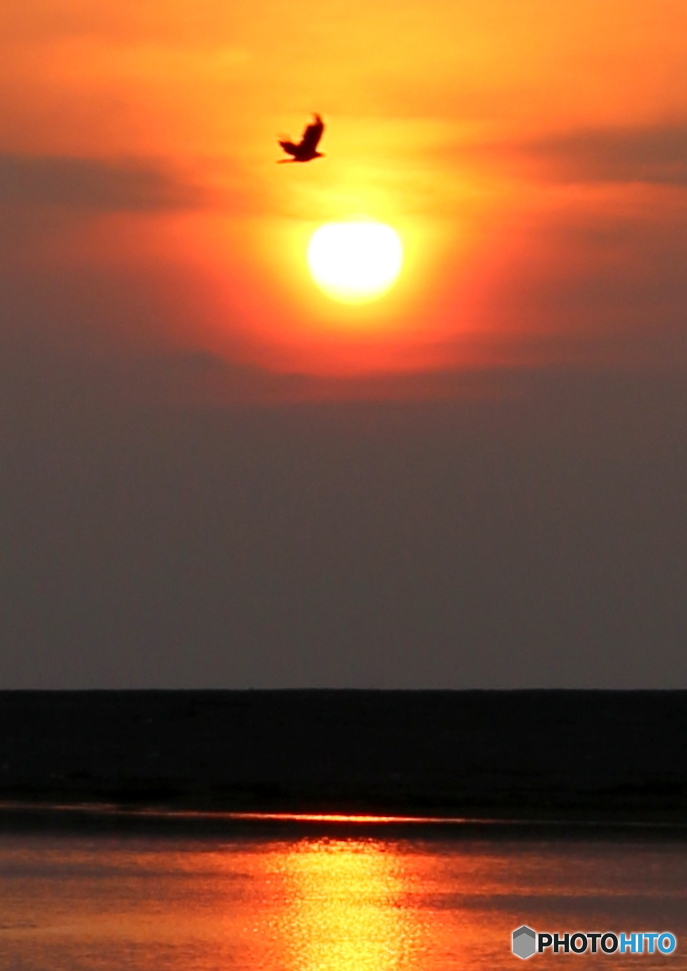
{"x":530,"y":531}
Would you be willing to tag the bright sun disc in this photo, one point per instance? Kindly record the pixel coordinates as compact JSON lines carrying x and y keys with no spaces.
{"x":355,"y":261}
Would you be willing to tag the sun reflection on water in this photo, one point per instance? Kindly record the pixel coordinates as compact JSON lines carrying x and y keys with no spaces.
{"x":250,"y":903}
{"x":345,"y":908}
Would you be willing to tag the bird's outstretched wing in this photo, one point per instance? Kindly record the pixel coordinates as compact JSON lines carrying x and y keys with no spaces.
{"x":311,"y":135}
{"x":289,"y":147}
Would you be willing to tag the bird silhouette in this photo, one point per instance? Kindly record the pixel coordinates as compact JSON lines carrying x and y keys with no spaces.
{"x":306,"y":149}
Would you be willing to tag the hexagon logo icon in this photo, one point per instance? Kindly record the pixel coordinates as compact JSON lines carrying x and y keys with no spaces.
{"x":524,"y":942}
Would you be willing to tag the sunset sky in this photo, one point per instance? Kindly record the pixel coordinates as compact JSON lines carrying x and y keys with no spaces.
{"x":532,"y":157}
{"x":159,"y":325}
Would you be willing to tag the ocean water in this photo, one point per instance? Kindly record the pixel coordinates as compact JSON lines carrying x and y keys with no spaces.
{"x":327,"y":902}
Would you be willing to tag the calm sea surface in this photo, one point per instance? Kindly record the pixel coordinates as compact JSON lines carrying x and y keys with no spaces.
{"x":326,"y":903}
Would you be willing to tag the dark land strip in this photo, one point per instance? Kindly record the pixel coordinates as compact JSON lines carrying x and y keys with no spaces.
{"x":606,"y":757}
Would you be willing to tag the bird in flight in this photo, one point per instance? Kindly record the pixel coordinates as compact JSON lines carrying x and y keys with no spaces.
{"x":306,"y":149}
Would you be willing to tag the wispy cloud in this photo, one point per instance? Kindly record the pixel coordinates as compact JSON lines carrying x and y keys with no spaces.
{"x":651,"y":154}
{"x":92,"y":184}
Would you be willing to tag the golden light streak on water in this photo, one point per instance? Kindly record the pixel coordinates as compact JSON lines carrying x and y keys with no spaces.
{"x":132,"y":902}
{"x":347,"y":908}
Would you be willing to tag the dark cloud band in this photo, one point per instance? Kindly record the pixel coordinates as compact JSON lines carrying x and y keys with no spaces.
{"x":92,"y":184}
{"x":653,"y":154}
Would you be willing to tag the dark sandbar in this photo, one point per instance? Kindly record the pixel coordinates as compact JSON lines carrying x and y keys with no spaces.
{"x":584,"y":756}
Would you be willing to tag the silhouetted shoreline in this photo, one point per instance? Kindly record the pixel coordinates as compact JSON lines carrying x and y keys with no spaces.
{"x":588,"y":757}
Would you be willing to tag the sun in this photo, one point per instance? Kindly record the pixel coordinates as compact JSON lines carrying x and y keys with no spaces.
{"x":355,"y":261}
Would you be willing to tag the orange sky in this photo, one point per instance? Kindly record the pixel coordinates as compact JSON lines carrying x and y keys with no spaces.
{"x":532,"y":155}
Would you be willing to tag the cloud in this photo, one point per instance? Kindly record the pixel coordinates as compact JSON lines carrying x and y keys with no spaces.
{"x":652,"y":154}
{"x":92,"y":184}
